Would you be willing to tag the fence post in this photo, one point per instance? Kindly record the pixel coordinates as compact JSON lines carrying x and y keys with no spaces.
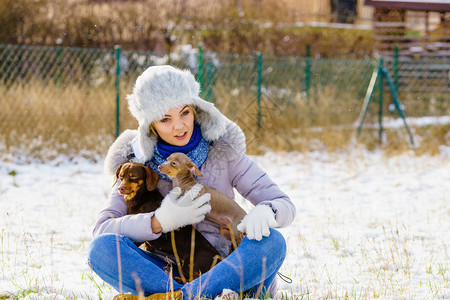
{"x":117,"y":85}
{"x":210,"y":81}
{"x":307,"y":71}
{"x":259,"y":84}
{"x":200,"y":67}
{"x":380,"y":91}
{"x":58,"y":61}
{"x":395,"y":67}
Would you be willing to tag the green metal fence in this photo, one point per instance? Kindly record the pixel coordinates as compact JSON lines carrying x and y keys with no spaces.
{"x":74,"y":98}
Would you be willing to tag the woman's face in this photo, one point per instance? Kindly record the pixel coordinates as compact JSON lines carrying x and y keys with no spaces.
{"x":176,"y":127}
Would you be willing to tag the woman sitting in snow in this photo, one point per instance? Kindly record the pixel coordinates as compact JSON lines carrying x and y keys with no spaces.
{"x":173,"y":118}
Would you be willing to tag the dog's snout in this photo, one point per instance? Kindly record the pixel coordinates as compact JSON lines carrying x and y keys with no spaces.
{"x":122,"y":189}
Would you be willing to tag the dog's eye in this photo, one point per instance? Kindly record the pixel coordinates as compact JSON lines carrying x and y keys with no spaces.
{"x":174,"y":163}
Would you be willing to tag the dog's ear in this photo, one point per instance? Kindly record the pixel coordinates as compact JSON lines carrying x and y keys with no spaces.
{"x":117,"y":174}
{"x":152,"y":179}
{"x":194,"y":170}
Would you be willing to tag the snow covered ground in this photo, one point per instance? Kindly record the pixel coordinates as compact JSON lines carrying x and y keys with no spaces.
{"x":367,"y":226}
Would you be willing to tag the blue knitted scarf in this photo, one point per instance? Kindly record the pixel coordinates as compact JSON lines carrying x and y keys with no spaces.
{"x":196,"y":149}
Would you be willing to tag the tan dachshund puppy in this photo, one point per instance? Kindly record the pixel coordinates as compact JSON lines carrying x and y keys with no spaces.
{"x":224,"y":211}
{"x":138,"y":186}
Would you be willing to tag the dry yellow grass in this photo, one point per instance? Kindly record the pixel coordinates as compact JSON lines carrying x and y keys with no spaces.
{"x":44,"y":120}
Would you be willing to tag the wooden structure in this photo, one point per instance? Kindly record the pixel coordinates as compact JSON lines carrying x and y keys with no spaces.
{"x":420,"y":30}
{"x":411,"y":24}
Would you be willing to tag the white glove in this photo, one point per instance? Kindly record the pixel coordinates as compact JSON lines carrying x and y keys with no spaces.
{"x":176,"y":211}
{"x":257,"y":222}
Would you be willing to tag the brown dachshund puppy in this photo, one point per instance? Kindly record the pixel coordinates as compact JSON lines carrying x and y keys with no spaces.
{"x":138,"y":186}
{"x":224,"y":211}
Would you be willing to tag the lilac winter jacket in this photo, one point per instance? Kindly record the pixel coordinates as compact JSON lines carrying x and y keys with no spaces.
{"x":227,"y":168}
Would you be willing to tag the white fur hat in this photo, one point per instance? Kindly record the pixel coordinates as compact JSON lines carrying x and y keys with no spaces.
{"x":160,"y":88}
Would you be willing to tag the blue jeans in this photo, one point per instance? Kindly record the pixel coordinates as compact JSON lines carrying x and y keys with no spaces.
{"x":253,"y":263}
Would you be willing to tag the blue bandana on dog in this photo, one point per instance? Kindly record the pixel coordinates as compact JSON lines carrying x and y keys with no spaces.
{"x":197,"y":150}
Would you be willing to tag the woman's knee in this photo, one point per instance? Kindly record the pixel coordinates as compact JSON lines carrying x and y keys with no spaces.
{"x":102,"y":247}
{"x":102,"y":242}
{"x":273,"y":245}
{"x":277,"y":242}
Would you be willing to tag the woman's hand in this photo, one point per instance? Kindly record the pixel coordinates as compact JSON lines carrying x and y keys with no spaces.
{"x":176,"y":211}
{"x":257,"y":222}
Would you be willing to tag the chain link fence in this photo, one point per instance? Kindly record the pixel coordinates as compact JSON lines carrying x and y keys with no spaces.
{"x":72,"y":100}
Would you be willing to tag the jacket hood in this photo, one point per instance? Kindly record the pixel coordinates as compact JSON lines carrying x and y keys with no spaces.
{"x":160,"y":88}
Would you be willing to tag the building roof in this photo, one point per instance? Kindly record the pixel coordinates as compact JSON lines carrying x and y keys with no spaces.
{"x":429,"y":5}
